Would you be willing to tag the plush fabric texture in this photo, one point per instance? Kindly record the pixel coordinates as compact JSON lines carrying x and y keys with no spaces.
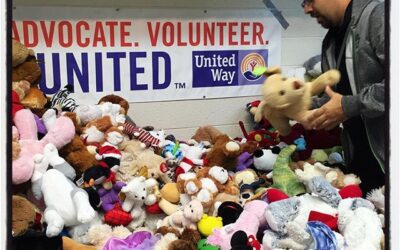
{"x":274,"y":194}
{"x":110,"y":197}
{"x":249,"y":221}
{"x":60,"y":135}
{"x":327,"y":219}
{"x":20,"y":53}
{"x":321,"y":187}
{"x":351,"y":191}
{"x":283,"y":177}
{"x":279,"y":213}
{"x":229,"y":211}
{"x":116,"y":216}
{"x":323,"y":236}
{"x":130,"y":242}
{"x":286,"y":99}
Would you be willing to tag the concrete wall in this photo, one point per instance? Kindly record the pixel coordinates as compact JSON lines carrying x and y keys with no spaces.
{"x":300,"y":41}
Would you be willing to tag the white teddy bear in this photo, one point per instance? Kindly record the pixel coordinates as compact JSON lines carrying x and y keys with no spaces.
{"x":136,"y":192}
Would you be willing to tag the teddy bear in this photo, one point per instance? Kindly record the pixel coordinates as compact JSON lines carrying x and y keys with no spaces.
{"x":186,"y":218}
{"x":23,"y":215}
{"x":93,"y":132}
{"x":67,"y":205}
{"x":60,"y":135}
{"x":334,"y":176}
{"x":172,"y":239}
{"x":115,"y":99}
{"x":286,"y":99}
{"x":142,"y":161}
{"x":136,"y":196}
{"x":225,"y":152}
{"x":19,"y":90}
{"x":75,"y":152}
{"x":205,"y":135}
{"x":205,"y":185}
{"x":25,"y":76}
{"x":25,"y":67}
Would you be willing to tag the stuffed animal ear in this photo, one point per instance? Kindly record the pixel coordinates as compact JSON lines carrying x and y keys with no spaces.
{"x":124,"y":189}
{"x":266,"y":71}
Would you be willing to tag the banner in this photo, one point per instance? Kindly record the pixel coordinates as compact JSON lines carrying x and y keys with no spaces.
{"x":147,"y":55}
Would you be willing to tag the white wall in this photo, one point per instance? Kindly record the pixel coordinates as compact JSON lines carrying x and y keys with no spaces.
{"x":300,"y":41}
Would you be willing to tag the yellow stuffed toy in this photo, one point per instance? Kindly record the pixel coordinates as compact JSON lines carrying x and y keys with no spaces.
{"x":286,"y":99}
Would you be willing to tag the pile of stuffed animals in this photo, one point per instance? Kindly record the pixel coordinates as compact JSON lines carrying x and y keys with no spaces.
{"x":86,"y":176}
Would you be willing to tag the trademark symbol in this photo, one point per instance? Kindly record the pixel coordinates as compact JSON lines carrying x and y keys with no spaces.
{"x":180,"y":85}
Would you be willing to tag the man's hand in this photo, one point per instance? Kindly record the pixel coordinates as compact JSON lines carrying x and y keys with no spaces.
{"x":330,"y":114}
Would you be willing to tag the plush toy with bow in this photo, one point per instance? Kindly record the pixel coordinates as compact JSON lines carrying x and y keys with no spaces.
{"x":288,"y":99}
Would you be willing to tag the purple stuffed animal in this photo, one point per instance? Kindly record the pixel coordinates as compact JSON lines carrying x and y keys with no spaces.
{"x":109,"y":195}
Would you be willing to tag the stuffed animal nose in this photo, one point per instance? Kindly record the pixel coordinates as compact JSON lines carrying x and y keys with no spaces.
{"x":296,"y":85}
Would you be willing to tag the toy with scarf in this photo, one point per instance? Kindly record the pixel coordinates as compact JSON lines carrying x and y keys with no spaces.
{"x":149,"y":138}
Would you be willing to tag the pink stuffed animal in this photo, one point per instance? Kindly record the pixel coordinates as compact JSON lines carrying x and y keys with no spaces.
{"x":61,"y":134}
{"x":250,"y":220}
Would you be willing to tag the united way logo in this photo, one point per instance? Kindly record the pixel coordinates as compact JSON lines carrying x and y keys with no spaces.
{"x":248,"y":64}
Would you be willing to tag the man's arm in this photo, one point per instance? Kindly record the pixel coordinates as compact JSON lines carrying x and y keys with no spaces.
{"x":370,"y":102}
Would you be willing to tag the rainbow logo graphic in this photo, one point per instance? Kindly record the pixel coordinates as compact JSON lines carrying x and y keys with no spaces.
{"x":249,"y":62}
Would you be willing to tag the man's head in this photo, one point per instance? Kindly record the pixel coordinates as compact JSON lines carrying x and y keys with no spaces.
{"x":329,"y":13}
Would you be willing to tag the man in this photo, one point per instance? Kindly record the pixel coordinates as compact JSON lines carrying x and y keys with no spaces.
{"x":354,"y":45}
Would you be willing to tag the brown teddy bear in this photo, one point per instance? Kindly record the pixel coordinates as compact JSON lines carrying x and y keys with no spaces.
{"x":115,"y":99}
{"x":75,"y":152}
{"x":25,"y":67}
{"x":225,"y":152}
{"x":93,"y":133}
{"x":206,"y":135}
{"x":23,"y":215}
{"x":206,"y":184}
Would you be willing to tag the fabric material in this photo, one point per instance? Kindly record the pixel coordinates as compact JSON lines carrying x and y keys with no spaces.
{"x":117,"y":217}
{"x":365,"y":67}
{"x":327,"y":219}
{"x":130,"y":242}
{"x":323,"y":236}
